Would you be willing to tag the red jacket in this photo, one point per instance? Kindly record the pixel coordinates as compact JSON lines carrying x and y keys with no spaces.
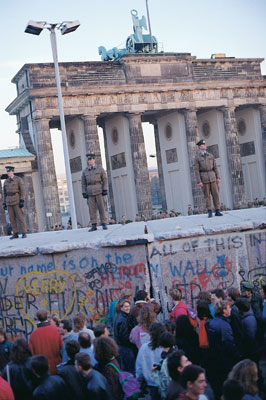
{"x":6,"y":393}
{"x":46,"y":340}
{"x":179,"y":309}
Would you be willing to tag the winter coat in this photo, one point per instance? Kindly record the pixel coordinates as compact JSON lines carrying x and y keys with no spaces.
{"x":14,"y":191}
{"x":222,"y":344}
{"x":72,"y":379}
{"x":179,"y":309}
{"x":96,"y":386}
{"x":21,"y":379}
{"x":249,"y":344}
{"x":145,"y":360}
{"x":94,"y":180}
{"x":5,"y":350}
{"x":50,"y":388}
{"x":121,"y":331}
{"x":206,"y":169}
{"x":139,"y":336}
{"x":46,"y":340}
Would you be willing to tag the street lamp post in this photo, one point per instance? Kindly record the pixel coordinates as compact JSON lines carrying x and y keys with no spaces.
{"x":35,"y":28}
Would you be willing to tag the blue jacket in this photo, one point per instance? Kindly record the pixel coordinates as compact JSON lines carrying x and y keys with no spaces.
{"x":249,"y":343}
{"x":145,"y":360}
{"x":222,"y":344}
{"x":121,"y":331}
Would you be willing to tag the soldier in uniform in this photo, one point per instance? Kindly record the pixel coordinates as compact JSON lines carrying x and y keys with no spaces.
{"x":94,"y":187}
{"x":14,"y":197}
{"x":208,"y":177}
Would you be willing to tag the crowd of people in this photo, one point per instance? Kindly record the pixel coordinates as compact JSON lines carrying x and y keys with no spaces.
{"x":215,"y":351}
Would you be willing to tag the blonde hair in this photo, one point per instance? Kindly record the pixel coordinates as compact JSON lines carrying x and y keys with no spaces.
{"x":246,"y":372}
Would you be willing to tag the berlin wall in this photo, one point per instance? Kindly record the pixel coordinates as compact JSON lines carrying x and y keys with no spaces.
{"x":88,"y":280}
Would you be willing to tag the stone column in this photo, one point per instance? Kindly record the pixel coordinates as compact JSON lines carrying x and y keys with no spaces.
{"x":233,"y":156}
{"x":47,"y":172}
{"x":30,"y":208}
{"x":2,"y":213}
{"x":91,"y":137}
{"x":159,"y":165}
{"x":192,"y":133}
{"x":108,"y":167}
{"x":140,"y":166}
{"x":262,"y":109}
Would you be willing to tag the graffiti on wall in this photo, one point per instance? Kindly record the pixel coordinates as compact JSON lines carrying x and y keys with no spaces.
{"x":88,"y":280}
{"x":204,"y":263}
{"x":67,"y":283}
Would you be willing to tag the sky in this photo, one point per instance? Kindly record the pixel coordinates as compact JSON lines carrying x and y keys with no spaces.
{"x":234,"y":27}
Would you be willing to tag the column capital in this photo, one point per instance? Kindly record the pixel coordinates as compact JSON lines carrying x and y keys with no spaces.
{"x":187,"y":110}
{"x":131,"y":115}
{"x":86,"y":117}
{"x":227,"y":108}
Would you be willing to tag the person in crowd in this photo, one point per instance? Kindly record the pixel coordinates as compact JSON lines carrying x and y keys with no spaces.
{"x":246,"y":372}
{"x":54,"y":320}
{"x":18,"y":370}
{"x":86,"y":346}
{"x":148,"y":355}
{"x":194,"y":381}
{"x":204,"y":315}
{"x":179,"y":307}
{"x":50,"y":387}
{"x":6,"y":393}
{"x":176,"y":362}
{"x":187,"y":338}
{"x":141,"y":299}
{"x":160,"y":373}
{"x":46,"y":340}
{"x":94,"y":189}
{"x":125,"y":294}
{"x":208,"y":179}
{"x":101,"y":330}
{"x":247,"y":290}
{"x":248,"y":345}
{"x":106,"y":353}
{"x":13,"y":201}
{"x":68,"y":372}
{"x":222,"y":346}
{"x":140,"y":334}
{"x":170,"y":327}
{"x":217,"y":295}
{"x":206,"y":296}
{"x":65,"y":330}
{"x":263,"y":296}
{"x":121,"y":335}
{"x":80,"y":325}
{"x":96,"y":386}
{"x":232,"y":390}
{"x":5,"y":349}
{"x":232,"y":295}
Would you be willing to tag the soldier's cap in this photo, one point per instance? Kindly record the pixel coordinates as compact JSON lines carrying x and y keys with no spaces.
{"x":9,"y":168}
{"x":90,"y":156}
{"x":246,"y":286}
{"x":201,"y":142}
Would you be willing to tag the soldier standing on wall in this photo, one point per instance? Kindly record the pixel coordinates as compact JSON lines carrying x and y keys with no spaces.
{"x":94,"y":187}
{"x":14,"y":197}
{"x":208,"y":177}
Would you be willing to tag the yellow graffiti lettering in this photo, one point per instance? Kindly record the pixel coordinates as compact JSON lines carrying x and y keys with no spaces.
{"x":53,"y":286}
{"x":62,"y":285}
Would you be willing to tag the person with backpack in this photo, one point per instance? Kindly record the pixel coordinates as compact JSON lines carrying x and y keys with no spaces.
{"x":106,"y":354}
{"x":179,"y":308}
